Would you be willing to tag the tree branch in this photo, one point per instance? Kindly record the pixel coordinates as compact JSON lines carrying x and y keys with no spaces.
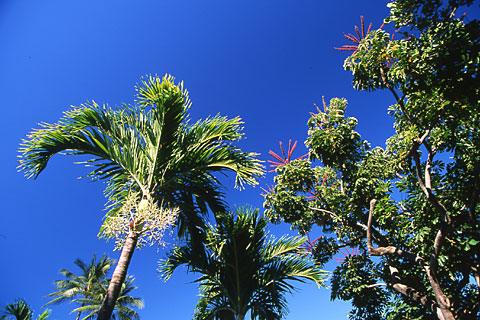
{"x":475,"y":193}
{"x":431,"y":271}
{"x":377,"y":285}
{"x":427,"y":190}
{"x":442,"y":300}
{"x":399,"y":100}
{"x":476,"y":273}
{"x":414,"y":294}
{"x":378,"y":235}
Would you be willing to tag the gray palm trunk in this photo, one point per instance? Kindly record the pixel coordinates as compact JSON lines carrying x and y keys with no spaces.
{"x":118,"y":277}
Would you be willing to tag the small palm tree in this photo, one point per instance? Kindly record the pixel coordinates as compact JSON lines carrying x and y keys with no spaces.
{"x":92,"y":282}
{"x":20,"y":310}
{"x":242,"y":270}
{"x":123,"y":307}
{"x":156,"y":164}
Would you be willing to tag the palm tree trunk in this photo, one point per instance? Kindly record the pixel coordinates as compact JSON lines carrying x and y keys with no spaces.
{"x":118,"y":276}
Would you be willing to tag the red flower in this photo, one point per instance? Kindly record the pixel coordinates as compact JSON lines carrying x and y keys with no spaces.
{"x":356,"y":39}
{"x":267,"y":191}
{"x":355,"y":252}
{"x":286,"y":158}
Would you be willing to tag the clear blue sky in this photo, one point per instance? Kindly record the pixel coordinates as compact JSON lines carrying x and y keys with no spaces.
{"x":265,"y":61}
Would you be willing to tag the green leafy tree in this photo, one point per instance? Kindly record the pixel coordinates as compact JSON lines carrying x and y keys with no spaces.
{"x":156,"y":164}
{"x":88,"y":290}
{"x":20,"y":310}
{"x":412,"y":207}
{"x":242,"y":270}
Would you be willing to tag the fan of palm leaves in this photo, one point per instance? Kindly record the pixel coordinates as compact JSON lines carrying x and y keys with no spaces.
{"x":20,"y":310}
{"x":242,"y":269}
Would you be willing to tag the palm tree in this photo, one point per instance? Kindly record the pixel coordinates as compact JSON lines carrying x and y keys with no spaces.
{"x":242,"y":270}
{"x":91,"y":284}
{"x":20,"y":310}
{"x":148,"y":152}
{"x":123,"y":307}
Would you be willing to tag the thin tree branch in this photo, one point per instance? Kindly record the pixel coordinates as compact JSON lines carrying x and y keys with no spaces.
{"x":399,"y":100}
{"x":428,"y":191}
{"x":377,"y":285}
{"x":378,"y":235}
{"x":331,"y":213}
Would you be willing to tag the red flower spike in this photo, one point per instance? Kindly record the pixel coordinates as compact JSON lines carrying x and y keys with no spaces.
{"x":281,"y":148}
{"x":363,"y":26}
{"x":312,"y":197}
{"x":267,"y":191}
{"x":358,"y":31}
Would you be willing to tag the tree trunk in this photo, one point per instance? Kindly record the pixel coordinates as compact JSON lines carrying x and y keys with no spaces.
{"x":118,"y":277}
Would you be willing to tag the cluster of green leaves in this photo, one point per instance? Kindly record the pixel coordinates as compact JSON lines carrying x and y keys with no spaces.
{"x":20,"y":310}
{"x":422,"y":254}
{"x":242,"y":270}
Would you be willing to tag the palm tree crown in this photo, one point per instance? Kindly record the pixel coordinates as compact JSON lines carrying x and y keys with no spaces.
{"x":156,"y":164}
{"x":149,"y":149}
{"x":91,"y":304}
{"x":83,"y":285}
{"x":88,"y":290}
{"x":20,"y":310}
{"x":242,"y":269}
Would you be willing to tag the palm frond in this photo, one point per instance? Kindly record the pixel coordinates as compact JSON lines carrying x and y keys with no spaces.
{"x":19,"y":309}
{"x":245,"y":270}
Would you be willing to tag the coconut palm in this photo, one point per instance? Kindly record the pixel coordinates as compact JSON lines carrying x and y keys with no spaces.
{"x":243,"y":270}
{"x":148,"y":152}
{"x":20,"y":310}
{"x":86,"y":288}
{"x":123,"y":307}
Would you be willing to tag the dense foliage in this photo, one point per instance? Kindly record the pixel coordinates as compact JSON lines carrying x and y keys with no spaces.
{"x":411,"y":207}
{"x":242,"y":269}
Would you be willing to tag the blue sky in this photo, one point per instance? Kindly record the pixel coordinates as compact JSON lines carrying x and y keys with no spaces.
{"x":268,"y":62}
